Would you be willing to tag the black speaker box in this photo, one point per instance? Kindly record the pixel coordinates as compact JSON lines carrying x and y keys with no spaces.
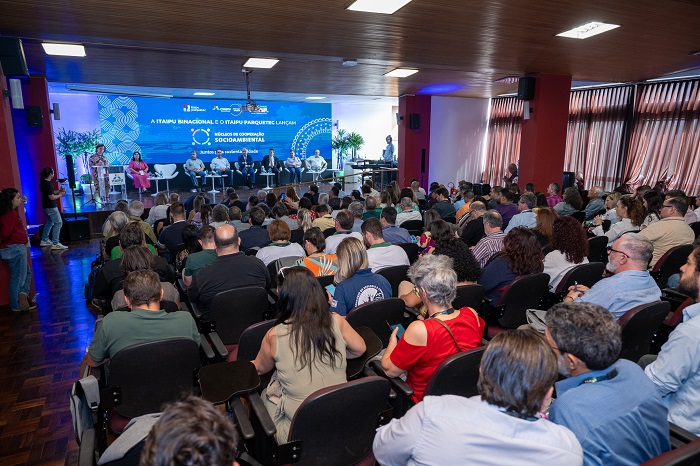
{"x":414,"y":120}
{"x":12,"y":57}
{"x":75,"y":229}
{"x":34,"y":117}
{"x":526,"y":88}
{"x":567,"y":180}
{"x":70,"y":168}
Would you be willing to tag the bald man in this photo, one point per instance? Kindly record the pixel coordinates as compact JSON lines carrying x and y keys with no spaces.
{"x":218,"y":276}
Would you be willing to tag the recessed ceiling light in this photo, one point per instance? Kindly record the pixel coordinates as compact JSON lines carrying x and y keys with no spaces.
{"x":588,"y":30}
{"x":260,"y":63}
{"x":387,"y":7}
{"x":66,"y":50}
{"x":315,"y":97}
{"x":203,"y":93}
{"x":401,"y":72}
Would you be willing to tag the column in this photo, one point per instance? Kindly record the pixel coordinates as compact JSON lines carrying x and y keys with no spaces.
{"x":414,"y":143}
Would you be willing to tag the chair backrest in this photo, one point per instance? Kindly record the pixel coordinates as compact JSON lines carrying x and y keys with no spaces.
{"x":413,"y":225}
{"x":376,"y":315}
{"x":348,"y":413}
{"x":328,"y":232}
{"x":687,"y":455}
{"x":395,"y":275}
{"x":152,"y":373}
{"x":583,"y":274}
{"x":675,"y":318}
{"x":670,"y":263}
{"x":274,"y":267}
{"x":469,"y":296}
{"x":695,"y":226}
{"x":579,"y":215}
{"x":251,"y":339}
{"x":451,"y":219}
{"x":596,"y":249}
{"x":167,"y":169}
{"x":326,"y":280}
{"x":236,"y":310}
{"x":457,"y":375}
{"x":523,"y":293}
{"x":411,"y":251}
{"x":638,"y":327}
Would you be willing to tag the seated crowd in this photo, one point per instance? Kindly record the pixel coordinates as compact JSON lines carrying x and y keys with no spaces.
{"x":603,"y":410}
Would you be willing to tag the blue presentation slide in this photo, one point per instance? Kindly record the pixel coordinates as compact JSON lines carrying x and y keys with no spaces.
{"x":167,"y":130}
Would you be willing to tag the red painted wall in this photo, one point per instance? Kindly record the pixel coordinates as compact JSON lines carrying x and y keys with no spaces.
{"x":412,"y":142}
{"x":543,"y":136}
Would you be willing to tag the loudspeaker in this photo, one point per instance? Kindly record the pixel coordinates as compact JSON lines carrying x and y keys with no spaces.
{"x":482,"y":189}
{"x":75,"y":229}
{"x":567,"y":180}
{"x":414,"y":121}
{"x":16,"y":94}
{"x":12,"y":57}
{"x":56,"y":110}
{"x":70,"y":168}
{"x":526,"y":88}
{"x":34,"y":117}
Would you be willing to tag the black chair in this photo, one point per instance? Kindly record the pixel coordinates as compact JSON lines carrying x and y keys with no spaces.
{"x":695,"y":226}
{"x":333,"y":426}
{"x":687,"y":455}
{"x":670,"y":263}
{"x":326,"y":280}
{"x":451,"y":219}
{"x":579,"y":215}
{"x":469,"y":296}
{"x":250,"y":342}
{"x":328,"y":232}
{"x":638,"y":327}
{"x":378,"y":316}
{"x":411,"y":251}
{"x":274,"y":267}
{"x":521,"y":294}
{"x":457,"y":375}
{"x":413,"y":225}
{"x":231,"y":313}
{"x":582,"y":274}
{"x":395,"y":275}
{"x":144,"y":376}
{"x":596,"y":249}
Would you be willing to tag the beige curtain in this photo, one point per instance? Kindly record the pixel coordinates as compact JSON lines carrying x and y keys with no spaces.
{"x":596,"y":132}
{"x":504,"y":138}
{"x":665,"y":141}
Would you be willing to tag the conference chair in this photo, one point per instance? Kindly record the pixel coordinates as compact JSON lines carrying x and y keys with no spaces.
{"x":670,"y":263}
{"x":274,"y":267}
{"x":469,"y":296}
{"x":316,"y":175}
{"x":301,"y":176}
{"x":638,"y":327}
{"x":673,"y":318}
{"x":395,"y":275}
{"x":451,"y":219}
{"x":411,"y":251}
{"x":696,"y":229}
{"x":580,"y":216}
{"x":457,"y":375}
{"x":348,"y":413}
{"x":129,"y":175}
{"x":326,"y":280}
{"x":687,"y":455}
{"x":378,"y":316}
{"x":521,"y":294}
{"x":329,"y":232}
{"x":413,"y":226}
{"x":596,"y":249}
{"x":165,"y":172}
{"x":236,"y":168}
{"x":583,"y":274}
{"x":232,"y":312}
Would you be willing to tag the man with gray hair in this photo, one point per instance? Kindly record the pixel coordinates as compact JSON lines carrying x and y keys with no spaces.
{"x":595,"y":202}
{"x":473,"y":230}
{"x":371,"y":208}
{"x":493,"y":241}
{"x":630,"y":286}
{"x":135,"y":213}
{"x":357,"y":211}
{"x":612,"y":408}
{"x":407,"y":213}
{"x":526,"y":218}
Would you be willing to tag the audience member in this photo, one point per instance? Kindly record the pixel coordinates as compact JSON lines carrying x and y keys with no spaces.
{"x":159,"y":209}
{"x":323,"y":220}
{"x":14,"y":241}
{"x":611,"y":407}
{"x":521,"y":255}
{"x":357,"y":212}
{"x":308,"y":347}
{"x":571,"y":202}
{"x":391,"y":233}
{"x":280,"y":212}
{"x":190,"y":239}
{"x":118,"y":221}
{"x":653,"y":202}
{"x":380,"y":253}
{"x":492,"y":243}
{"x":631,"y":214}
{"x":630,"y":286}
{"x":254,"y":236}
{"x":671,"y":230}
{"x":371,"y":208}
{"x":219,"y":215}
{"x":217,"y":276}
{"x":689,"y":216}
{"x":171,"y":236}
{"x":198,"y":260}
{"x":420,"y":192}
{"x":407,"y":212}
{"x":595,"y":202}
{"x":280,"y":246}
{"x":553,"y":197}
{"x":139,"y":258}
{"x":506,"y":207}
{"x":444,"y":331}
{"x":526,"y":218}
{"x":135,"y":213}
{"x":319,"y":261}
{"x":473,"y":230}
{"x":468,"y":197}
{"x":344,"y":223}
{"x":356,"y":284}
{"x":146,"y":321}
{"x":611,"y":208}
{"x":426,"y":242}
{"x":236,"y":219}
{"x":676,"y":372}
{"x":500,"y":426}
{"x":443,"y":206}
{"x":544,"y":224}
{"x":570,"y":245}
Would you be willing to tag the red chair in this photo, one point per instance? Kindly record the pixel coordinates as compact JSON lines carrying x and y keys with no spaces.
{"x":521,"y":294}
{"x":670,"y":263}
{"x":638,"y":327}
{"x":687,"y":455}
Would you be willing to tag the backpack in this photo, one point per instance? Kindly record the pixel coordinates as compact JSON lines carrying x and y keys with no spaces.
{"x":95,"y":268}
{"x":84,"y":401}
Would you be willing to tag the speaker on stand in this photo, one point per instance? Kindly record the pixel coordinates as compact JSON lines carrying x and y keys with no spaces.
{"x":75,"y":228}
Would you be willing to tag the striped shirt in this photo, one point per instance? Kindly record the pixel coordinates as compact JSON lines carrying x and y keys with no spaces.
{"x":488,"y":246}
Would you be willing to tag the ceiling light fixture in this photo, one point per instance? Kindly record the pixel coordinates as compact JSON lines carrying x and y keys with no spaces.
{"x":260,"y":63}
{"x":65,"y":50}
{"x":401,"y":72}
{"x":588,"y":30}
{"x":199,"y":93}
{"x":508,"y":80}
{"x":315,"y":97}
{"x":349,"y":62}
{"x":386,"y":7}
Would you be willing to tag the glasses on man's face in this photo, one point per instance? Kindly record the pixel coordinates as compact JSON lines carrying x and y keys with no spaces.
{"x":664,"y":206}
{"x":610,"y":249}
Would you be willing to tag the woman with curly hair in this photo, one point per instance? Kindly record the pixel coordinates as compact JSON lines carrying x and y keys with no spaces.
{"x":570,"y":244}
{"x":522,"y":255}
{"x":544,"y":224}
{"x":631,"y":213}
{"x":652,"y":201}
{"x":570,"y":203}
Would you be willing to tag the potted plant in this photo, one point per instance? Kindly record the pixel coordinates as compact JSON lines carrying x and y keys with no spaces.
{"x":78,"y":146}
{"x":347,"y":145}
{"x":355,"y":143}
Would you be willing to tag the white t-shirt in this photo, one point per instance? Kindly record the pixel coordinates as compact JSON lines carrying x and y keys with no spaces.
{"x":385,"y":255}
{"x":271,"y":253}
{"x":334,"y":240}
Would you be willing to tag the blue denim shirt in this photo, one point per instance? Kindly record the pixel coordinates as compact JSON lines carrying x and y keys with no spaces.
{"x":676,"y":372}
{"x":623,"y":291}
{"x":620,"y":421}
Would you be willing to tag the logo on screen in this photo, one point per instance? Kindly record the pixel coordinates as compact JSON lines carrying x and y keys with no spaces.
{"x":200,"y":137}
{"x":192,"y":108}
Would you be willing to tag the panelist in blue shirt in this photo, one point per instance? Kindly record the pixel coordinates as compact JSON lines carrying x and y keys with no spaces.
{"x":614,"y":410}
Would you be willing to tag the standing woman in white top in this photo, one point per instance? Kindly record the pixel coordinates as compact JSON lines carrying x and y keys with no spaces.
{"x":631,"y":213}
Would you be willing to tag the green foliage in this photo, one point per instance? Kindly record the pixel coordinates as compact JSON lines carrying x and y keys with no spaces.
{"x":347,"y":143}
{"x":85,"y":178}
{"x":77,"y":145}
